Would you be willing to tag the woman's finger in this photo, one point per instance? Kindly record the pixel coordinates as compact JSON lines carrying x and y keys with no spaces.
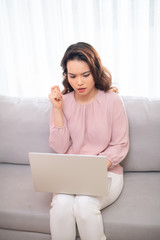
{"x":55,"y":88}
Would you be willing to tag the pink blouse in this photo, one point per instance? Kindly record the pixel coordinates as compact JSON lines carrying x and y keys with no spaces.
{"x":97,"y":128}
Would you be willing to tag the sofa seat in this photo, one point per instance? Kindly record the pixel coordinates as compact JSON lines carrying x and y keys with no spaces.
{"x":20,"y":205}
{"x":133,"y":215}
{"x":22,"y":235}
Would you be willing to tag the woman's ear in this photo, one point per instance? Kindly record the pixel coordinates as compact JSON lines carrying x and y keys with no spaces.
{"x":114,"y":89}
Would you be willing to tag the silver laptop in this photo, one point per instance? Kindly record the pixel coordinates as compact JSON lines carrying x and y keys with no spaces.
{"x":69,"y":174}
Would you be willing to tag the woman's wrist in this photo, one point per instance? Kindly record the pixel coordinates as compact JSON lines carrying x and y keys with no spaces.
{"x":58,"y":117}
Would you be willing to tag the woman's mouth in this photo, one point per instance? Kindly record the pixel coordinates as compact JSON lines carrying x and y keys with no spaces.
{"x":81,"y":89}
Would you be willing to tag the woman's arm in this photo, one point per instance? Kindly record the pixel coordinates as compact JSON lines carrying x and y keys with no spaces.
{"x":59,"y":138}
{"x":58,"y":118}
{"x":119,"y":143}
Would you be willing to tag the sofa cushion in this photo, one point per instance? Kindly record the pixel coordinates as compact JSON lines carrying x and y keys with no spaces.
{"x":135,"y":215}
{"x":6,"y":234}
{"x":144,"y":133}
{"x":21,"y":208}
{"x":24,"y":127}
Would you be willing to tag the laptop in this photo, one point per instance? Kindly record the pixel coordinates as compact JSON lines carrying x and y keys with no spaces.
{"x":69,"y":174}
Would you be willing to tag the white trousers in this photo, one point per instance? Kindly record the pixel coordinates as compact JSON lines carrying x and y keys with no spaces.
{"x":85,"y":211}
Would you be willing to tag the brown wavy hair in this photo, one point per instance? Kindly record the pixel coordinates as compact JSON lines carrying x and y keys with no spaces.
{"x":85,"y":52}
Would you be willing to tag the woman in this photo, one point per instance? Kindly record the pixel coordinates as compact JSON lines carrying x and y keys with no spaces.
{"x":86,"y":118}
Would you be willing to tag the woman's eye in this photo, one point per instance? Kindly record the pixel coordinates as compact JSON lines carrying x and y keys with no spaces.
{"x":72,"y":76}
{"x":86,"y":75}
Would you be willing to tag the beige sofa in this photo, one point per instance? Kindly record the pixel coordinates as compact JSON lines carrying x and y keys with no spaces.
{"x":24,"y":214}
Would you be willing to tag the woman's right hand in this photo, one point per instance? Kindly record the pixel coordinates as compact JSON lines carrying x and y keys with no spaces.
{"x":55,"y":98}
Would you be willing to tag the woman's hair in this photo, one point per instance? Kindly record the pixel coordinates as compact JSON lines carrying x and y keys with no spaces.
{"x":85,"y":52}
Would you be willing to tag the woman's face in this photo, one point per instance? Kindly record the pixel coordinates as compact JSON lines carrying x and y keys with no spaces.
{"x":80,"y":78}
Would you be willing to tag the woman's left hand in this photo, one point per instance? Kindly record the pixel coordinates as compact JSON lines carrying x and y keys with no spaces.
{"x":108,"y":164}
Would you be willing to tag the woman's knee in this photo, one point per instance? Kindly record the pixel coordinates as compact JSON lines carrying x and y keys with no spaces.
{"x":62,"y":205}
{"x":85,"y":206}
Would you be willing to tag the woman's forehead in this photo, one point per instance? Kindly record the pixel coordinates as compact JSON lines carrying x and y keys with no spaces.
{"x":77,"y":67}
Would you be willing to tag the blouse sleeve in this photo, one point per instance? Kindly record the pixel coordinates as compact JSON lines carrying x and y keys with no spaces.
{"x":59,"y":138}
{"x":119,"y":143}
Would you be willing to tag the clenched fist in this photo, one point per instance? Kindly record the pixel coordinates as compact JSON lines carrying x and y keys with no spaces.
{"x":55,"y":97}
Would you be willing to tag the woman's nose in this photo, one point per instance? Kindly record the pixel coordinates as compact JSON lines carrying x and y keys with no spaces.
{"x":80,"y":80}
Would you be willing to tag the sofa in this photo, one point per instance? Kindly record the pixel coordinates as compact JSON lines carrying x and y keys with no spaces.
{"x":24,"y":213}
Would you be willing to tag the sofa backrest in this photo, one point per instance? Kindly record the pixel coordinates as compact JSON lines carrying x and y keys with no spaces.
{"x":144,"y":131}
{"x":24,"y":127}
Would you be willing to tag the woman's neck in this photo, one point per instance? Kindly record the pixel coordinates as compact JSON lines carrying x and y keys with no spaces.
{"x":85,"y":99}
